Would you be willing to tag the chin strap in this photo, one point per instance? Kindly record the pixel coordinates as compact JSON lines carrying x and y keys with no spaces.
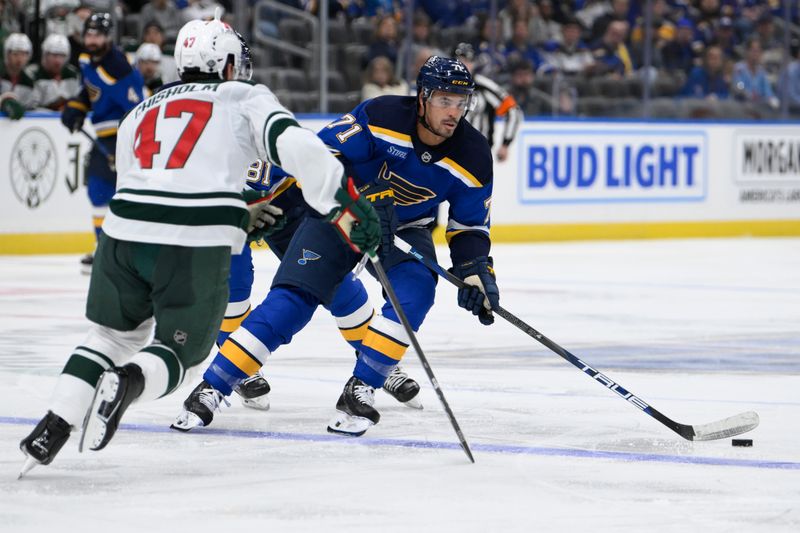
{"x":421,"y":119}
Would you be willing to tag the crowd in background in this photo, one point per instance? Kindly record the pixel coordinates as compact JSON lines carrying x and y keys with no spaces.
{"x":552,"y":56}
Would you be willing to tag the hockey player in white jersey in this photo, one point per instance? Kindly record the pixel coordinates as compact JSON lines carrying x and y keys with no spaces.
{"x":177,"y":215}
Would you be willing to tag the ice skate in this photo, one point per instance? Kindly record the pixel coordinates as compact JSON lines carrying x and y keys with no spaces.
{"x":116,"y":390}
{"x":44,"y":442}
{"x":403,"y":388}
{"x":199,"y":407}
{"x":254,"y":392}
{"x":86,"y":264}
{"x":355,"y":411}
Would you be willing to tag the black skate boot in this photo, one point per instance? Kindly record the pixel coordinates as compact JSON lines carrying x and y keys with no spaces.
{"x":117,"y":388}
{"x":403,"y":388}
{"x":355,"y":412}
{"x":254,"y":392}
{"x":199,"y":407}
{"x":45,"y":441}
{"x":86,"y":264}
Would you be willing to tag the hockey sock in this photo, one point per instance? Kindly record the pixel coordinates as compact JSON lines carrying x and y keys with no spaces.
{"x":235,"y":314}
{"x":352,"y":310}
{"x":384,"y":345}
{"x":162,"y":370}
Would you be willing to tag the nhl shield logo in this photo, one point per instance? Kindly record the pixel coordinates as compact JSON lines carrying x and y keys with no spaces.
{"x":180,"y":337}
{"x":426,"y":157}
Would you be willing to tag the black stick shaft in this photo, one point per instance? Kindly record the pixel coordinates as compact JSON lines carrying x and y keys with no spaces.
{"x":387,"y":286}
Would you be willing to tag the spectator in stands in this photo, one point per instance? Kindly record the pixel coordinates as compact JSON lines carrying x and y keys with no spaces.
{"x":750,"y":82}
{"x":385,"y":41}
{"x":5,"y":31}
{"x":521,"y":85}
{"x":489,"y":58}
{"x":421,"y":30}
{"x":165,"y":14}
{"x":771,"y":43}
{"x":747,"y":17}
{"x":16,"y":87}
{"x":711,"y":80}
{"x":74,"y":30}
{"x":611,"y":55}
{"x":767,"y":35}
{"x":153,"y":33}
{"x":381,"y":80}
{"x":199,"y":9}
{"x":663,"y":32}
{"x":705,"y":18}
{"x":148,"y":62}
{"x":790,"y":80}
{"x":544,"y":27}
{"x":682,"y":54}
{"x":420,"y":39}
{"x":371,"y":8}
{"x":516,"y":10}
{"x":56,"y":16}
{"x":521,"y":44}
{"x":447,"y":13}
{"x":54,"y":80}
{"x":9,"y":21}
{"x":725,"y":37}
{"x":662,"y":24}
{"x":571,"y":55}
{"x":617,"y":10}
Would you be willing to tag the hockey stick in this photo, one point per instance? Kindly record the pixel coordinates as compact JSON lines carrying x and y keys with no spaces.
{"x":387,"y":286}
{"x":727,"y":427}
{"x":102,"y":149}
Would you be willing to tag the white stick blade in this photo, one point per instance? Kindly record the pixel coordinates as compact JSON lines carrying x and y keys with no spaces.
{"x":728,"y":427}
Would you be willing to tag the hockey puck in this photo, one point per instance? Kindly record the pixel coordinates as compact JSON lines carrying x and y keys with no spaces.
{"x":746,"y":443}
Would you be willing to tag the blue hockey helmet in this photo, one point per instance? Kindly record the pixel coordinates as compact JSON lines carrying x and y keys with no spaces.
{"x":444,"y":74}
{"x":98,"y":22}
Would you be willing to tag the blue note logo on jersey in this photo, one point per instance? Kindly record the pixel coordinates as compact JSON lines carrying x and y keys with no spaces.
{"x":308,"y":255}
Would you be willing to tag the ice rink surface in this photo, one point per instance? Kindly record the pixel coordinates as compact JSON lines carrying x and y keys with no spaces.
{"x":700,"y":329}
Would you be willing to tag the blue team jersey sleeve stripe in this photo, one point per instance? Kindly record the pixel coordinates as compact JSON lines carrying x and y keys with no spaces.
{"x":459,"y":172}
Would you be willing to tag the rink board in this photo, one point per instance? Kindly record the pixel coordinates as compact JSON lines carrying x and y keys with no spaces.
{"x":573,"y":179}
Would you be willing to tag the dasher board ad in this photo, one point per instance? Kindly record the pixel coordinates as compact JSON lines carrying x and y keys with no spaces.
{"x":620,"y":165}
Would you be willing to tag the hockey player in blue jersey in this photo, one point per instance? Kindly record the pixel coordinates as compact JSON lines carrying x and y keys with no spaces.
{"x":110,"y":88}
{"x":407,"y":155}
{"x":350,"y":306}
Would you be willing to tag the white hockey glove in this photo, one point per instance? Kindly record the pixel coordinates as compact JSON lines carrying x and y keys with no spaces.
{"x":265,"y":218}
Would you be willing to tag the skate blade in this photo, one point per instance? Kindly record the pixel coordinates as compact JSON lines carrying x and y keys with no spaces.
{"x":344,"y":424}
{"x":414,"y":403}
{"x":261,"y":403}
{"x":94,"y":425}
{"x":30,"y":462}
{"x":186,"y":422}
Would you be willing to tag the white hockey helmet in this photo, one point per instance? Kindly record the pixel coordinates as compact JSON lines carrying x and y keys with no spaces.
{"x":207,"y":46}
{"x":148,"y":52}
{"x":55,"y":43}
{"x":18,"y":42}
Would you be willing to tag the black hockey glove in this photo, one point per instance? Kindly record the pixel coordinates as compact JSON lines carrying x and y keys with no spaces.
{"x":381,"y":196}
{"x":481,"y":293}
{"x":265,"y":218}
{"x":13,"y":108}
{"x":72,"y":118}
{"x":356,"y":220}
